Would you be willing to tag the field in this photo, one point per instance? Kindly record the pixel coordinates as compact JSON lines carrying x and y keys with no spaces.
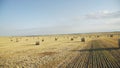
{"x":98,"y":50}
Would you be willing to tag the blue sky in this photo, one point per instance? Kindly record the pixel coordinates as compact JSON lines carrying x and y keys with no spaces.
{"x":39,"y":17}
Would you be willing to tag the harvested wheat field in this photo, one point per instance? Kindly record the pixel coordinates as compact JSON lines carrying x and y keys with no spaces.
{"x":96,"y":50}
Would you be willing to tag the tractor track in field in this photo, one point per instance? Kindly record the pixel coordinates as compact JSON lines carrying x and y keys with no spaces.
{"x":98,"y":54}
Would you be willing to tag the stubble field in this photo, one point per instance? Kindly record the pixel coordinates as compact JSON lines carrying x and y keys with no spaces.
{"x":100,"y":50}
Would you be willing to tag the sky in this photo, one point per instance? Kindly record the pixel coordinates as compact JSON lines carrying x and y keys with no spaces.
{"x":44,"y":17}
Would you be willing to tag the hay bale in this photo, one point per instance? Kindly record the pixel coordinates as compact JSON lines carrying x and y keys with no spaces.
{"x":11,"y":40}
{"x":98,"y":36}
{"x":37,"y":43}
{"x":56,"y":39}
{"x":119,"y":43}
{"x":72,"y":39}
{"x":26,"y":39}
{"x":17,"y":40}
{"x":42,"y":40}
{"x":89,"y":36}
{"x":111,"y":35}
{"x":82,"y":39}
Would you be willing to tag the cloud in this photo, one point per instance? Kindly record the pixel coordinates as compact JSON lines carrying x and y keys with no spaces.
{"x":90,"y":22}
{"x":114,"y":21}
{"x":103,"y":15}
{"x":99,"y":18}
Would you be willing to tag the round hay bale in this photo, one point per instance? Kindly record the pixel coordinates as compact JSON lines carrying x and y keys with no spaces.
{"x":17,"y":40}
{"x":11,"y":40}
{"x":37,"y":43}
{"x":26,"y":39}
{"x":89,"y":36}
{"x":56,"y":39}
{"x":111,"y":35}
{"x":98,"y":36}
{"x":119,"y":43}
{"x":82,"y":39}
{"x":72,"y":39}
{"x":42,"y":40}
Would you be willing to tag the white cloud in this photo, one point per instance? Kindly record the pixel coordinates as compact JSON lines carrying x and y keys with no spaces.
{"x":91,"y":22}
{"x":113,"y":21}
{"x":94,"y":22}
{"x":103,"y":15}
{"x":99,"y":18}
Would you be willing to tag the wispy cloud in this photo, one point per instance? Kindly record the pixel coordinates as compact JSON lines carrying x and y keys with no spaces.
{"x":103,"y":15}
{"x":91,"y":22}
